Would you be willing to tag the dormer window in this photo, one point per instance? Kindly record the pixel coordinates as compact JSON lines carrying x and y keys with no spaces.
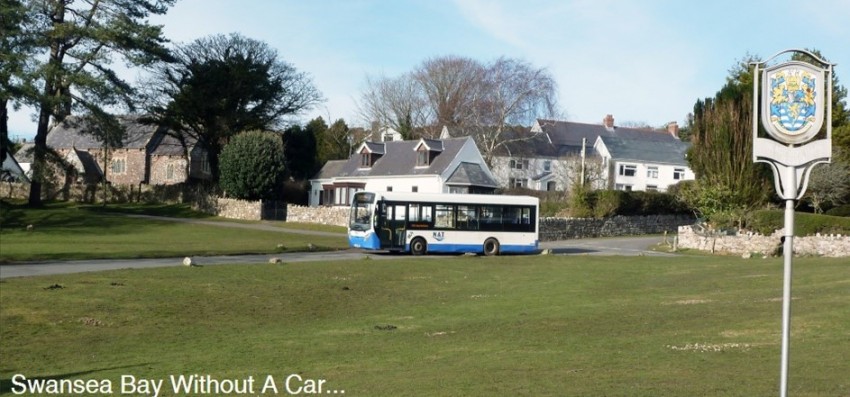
{"x":370,"y":153}
{"x":427,"y":150}
{"x":365,"y":159}
{"x":423,"y":158}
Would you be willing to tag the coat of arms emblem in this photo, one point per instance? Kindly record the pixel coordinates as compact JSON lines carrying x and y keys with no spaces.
{"x":793,"y":94}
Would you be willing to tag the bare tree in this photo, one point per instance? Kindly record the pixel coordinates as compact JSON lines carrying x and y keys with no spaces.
{"x":513,"y":93}
{"x":452,"y":86}
{"x":397,"y":103}
{"x":486,"y":102}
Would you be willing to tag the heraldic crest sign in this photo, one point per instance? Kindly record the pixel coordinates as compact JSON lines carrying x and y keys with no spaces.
{"x":793,"y":101}
{"x":794,"y":114}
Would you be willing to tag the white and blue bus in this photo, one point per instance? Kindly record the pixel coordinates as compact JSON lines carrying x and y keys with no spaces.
{"x":421,"y":223}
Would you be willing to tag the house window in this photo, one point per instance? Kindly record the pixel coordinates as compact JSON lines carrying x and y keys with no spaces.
{"x":551,"y":186}
{"x":519,"y":164}
{"x":365,"y":160}
{"x":389,"y":188}
{"x":621,"y":186}
{"x":517,"y":182}
{"x":388,"y":137}
{"x":119,"y":166}
{"x":652,"y":172}
{"x":678,"y":173}
{"x":651,"y":188}
{"x":628,"y":169}
{"x":169,"y":171}
{"x":415,"y":189}
{"x":547,"y":165}
{"x":422,"y":159}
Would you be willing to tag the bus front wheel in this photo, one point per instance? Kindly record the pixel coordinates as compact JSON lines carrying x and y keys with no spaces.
{"x":418,"y":246}
{"x":491,"y":247}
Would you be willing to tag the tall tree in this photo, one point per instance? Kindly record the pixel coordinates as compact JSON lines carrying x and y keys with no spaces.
{"x":516,"y":93}
{"x":75,"y":43}
{"x":335,"y":143}
{"x":14,"y":52}
{"x":299,"y":152}
{"x":452,"y":85}
{"x":222,"y":85}
{"x":721,"y":155}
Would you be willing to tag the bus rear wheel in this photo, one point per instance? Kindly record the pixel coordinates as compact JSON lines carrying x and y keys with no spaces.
{"x":491,"y":247}
{"x":418,"y":246}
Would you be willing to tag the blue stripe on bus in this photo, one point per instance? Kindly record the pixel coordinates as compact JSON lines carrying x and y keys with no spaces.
{"x":369,"y":241}
{"x":462,"y":248}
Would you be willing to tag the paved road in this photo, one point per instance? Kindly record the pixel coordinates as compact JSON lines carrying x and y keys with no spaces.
{"x":599,"y":246}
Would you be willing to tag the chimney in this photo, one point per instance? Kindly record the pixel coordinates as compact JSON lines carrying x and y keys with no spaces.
{"x":673,"y":129}
{"x":608,"y":122}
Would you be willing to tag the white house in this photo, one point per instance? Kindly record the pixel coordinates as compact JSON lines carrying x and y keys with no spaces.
{"x":634,"y":164}
{"x":451,"y":165}
{"x":551,"y":154}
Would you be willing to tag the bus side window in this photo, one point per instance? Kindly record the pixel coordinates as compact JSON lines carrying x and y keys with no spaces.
{"x":467,"y":219}
{"x":445,"y":215}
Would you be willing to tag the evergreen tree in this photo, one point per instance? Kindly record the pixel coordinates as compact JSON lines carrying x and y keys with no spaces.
{"x":75,"y":43}
{"x":252,"y":166}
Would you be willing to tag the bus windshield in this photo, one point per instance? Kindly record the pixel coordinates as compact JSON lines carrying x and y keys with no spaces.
{"x":361,"y":211}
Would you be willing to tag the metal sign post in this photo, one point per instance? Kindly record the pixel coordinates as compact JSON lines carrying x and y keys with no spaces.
{"x":794,"y":97}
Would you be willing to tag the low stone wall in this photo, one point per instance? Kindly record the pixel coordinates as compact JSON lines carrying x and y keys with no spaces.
{"x":834,"y":246}
{"x":238,"y":209}
{"x":552,"y":229}
{"x":337,"y":216}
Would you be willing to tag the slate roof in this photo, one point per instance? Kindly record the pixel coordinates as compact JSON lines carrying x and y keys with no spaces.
{"x":25,"y":153}
{"x":659,"y":151}
{"x":399,"y":158}
{"x":471,"y":174}
{"x":570,"y":134}
{"x":72,"y":133}
{"x":331,"y":169}
{"x":168,"y":145}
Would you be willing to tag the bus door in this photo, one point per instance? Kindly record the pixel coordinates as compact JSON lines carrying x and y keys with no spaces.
{"x":391,"y":226}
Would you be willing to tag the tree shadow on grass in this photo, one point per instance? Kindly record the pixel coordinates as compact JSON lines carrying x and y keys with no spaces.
{"x":6,"y":384}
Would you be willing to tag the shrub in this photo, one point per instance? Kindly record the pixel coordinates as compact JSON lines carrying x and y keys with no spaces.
{"x":582,"y":201}
{"x":252,"y":166}
{"x":768,"y":221}
{"x":843,"y":210}
{"x":608,"y":203}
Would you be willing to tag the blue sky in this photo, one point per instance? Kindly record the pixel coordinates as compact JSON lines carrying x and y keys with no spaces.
{"x":642,"y":61}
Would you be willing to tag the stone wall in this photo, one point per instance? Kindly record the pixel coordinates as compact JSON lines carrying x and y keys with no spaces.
{"x":238,"y":209}
{"x":337,"y":216}
{"x":834,"y":246}
{"x":552,"y":229}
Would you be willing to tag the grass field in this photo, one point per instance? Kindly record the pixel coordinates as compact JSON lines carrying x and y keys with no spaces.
{"x":64,"y":231}
{"x":464,"y":326}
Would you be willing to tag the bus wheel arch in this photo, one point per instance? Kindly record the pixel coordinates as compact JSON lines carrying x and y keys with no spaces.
{"x":418,"y":246}
{"x":491,"y":247}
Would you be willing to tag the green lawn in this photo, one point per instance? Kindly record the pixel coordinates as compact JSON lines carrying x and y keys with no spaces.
{"x":65,"y":231}
{"x":465,"y":326}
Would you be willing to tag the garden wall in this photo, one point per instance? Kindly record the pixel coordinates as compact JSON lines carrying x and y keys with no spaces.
{"x":834,"y":246}
{"x":552,"y":229}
